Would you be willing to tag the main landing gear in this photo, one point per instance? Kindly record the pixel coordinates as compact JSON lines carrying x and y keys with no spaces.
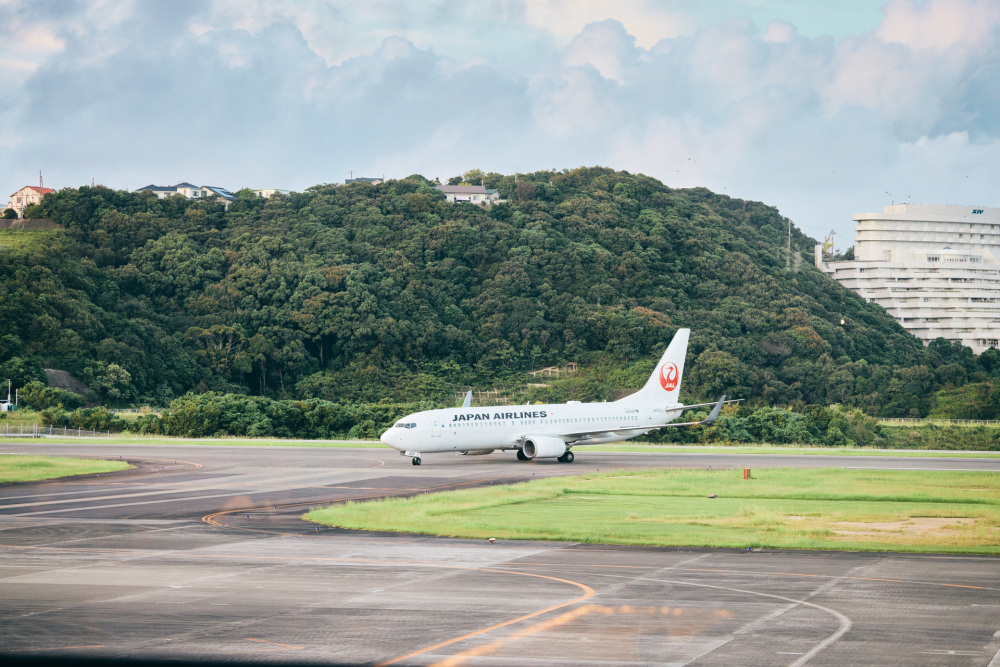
{"x":567,"y":457}
{"x":415,"y":461}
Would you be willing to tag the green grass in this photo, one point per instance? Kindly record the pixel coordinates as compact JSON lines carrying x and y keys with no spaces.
{"x":806,"y":450}
{"x":22,"y":240}
{"x":859,"y":510}
{"x":127,"y":439}
{"x":19,"y":417}
{"x":18,"y":468}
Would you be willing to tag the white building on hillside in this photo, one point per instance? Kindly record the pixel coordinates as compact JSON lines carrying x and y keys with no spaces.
{"x":266,"y":193}
{"x":185,"y":189}
{"x":29,"y":194}
{"x":936,"y":269}
{"x":473,"y":194}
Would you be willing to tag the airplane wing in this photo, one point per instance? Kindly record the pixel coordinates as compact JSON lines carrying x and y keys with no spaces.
{"x":583,"y":436}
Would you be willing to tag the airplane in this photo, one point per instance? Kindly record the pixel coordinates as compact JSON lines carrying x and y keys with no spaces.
{"x":552,"y":431}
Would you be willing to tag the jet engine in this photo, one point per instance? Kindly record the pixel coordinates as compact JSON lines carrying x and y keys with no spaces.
{"x":543,"y":447}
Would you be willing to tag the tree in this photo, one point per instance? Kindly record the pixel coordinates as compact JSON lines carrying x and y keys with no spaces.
{"x":113,"y":382}
{"x":9,"y":214}
{"x":474,"y":176}
{"x":525,"y":190}
{"x":368,"y":293}
{"x":37,"y":396}
{"x":20,"y":371}
{"x":33,"y":211}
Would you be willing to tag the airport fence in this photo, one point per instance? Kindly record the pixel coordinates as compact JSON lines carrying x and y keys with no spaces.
{"x":36,"y":431}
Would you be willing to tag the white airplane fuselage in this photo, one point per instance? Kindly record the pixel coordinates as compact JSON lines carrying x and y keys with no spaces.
{"x":506,"y":427}
{"x":551,"y":431}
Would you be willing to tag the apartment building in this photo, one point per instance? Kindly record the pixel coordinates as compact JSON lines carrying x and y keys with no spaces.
{"x":936,"y":269}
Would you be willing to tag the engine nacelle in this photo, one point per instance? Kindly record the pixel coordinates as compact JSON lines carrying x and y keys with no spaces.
{"x":477,"y":452}
{"x":544,"y":447}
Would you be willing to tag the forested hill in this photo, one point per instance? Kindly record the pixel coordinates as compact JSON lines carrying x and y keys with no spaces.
{"x":365,"y":292}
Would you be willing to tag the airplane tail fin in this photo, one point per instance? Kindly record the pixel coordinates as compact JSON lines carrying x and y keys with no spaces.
{"x":664,"y":385}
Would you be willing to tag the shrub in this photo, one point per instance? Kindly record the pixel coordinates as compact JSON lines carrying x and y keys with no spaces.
{"x":37,"y":396}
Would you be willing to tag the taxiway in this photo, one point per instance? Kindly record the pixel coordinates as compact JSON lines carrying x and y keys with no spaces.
{"x":200,"y":554}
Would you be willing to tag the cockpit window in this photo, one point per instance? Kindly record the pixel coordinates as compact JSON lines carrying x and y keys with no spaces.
{"x":405,"y":425}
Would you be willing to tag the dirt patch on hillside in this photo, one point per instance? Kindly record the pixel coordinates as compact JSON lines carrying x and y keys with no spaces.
{"x":63,"y":380}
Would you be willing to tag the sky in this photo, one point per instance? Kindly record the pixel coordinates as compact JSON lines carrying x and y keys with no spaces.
{"x":821,"y":109}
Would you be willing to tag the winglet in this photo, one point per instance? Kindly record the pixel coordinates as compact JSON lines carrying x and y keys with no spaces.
{"x":715,"y":411}
{"x":468,"y":400}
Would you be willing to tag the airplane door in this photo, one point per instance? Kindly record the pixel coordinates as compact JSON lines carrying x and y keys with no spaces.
{"x":436,"y":429}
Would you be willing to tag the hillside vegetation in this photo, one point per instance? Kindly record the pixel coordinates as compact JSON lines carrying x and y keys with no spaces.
{"x":368,"y":293}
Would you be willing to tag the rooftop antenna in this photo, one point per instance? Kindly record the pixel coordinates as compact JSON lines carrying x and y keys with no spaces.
{"x":40,"y":186}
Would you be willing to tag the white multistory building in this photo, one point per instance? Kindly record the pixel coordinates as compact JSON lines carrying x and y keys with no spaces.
{"x":936,"y":269}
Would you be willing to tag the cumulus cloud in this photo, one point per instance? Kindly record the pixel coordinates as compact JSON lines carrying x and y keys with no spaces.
{"x":289,"y":94}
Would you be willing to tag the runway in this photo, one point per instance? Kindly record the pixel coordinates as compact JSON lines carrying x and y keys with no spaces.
{"x":199,"y":554}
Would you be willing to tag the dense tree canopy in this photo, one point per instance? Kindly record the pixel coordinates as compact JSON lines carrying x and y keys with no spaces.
{"x":366,"y":292}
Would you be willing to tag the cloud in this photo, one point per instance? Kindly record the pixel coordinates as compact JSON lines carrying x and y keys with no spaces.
{"x":606,"y":46}
{"x":289,"y":94}
{"x":939,"y":25}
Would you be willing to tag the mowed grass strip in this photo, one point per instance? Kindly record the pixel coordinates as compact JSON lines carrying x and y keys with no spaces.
{"x":829,"y":508}
{"x":25,"y":468}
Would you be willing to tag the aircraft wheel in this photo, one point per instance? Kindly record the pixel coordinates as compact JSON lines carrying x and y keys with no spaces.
{"x":566,"y":458}
{"x":521,"y":456}
{"x":416,"y":460}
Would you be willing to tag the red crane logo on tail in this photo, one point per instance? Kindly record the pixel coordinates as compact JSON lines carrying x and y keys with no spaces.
{"x":668,"y":376}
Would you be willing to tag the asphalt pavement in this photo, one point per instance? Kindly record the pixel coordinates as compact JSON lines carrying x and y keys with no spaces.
{"x":200,"y":554}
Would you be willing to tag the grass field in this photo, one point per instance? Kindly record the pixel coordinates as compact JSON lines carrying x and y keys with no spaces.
{"x":18,"y":468}
{"x":214,"y":442}
{"x":805,"y":450}
{"x":21,"y":240}
{"x":627,"y":448}
{"x":857,"y":510}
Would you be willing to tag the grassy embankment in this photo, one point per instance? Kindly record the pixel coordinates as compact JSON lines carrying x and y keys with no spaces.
{"x":806,"y":450}
{"x":18,"y":468}
{"x":858,"y":510}
{"x":24,"y":240}
{"x":630,"y":447}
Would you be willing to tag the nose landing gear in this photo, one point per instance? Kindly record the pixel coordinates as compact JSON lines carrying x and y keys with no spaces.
{"x":415,"y":461}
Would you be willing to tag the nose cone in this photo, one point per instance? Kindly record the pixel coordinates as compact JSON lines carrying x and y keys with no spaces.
{"x":393,"y":437}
